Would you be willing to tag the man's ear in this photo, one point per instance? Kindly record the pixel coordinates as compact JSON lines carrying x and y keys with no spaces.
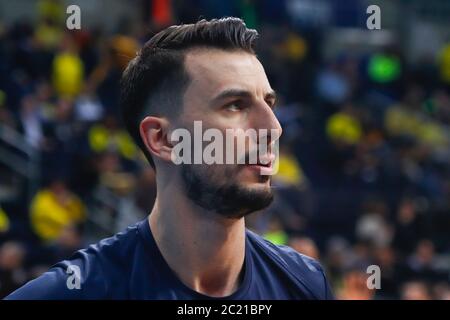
{"x":154,"y":133}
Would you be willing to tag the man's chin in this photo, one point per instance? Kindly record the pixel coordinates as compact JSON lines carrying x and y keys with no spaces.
{"x":257,"y":187}
{"x":250,"y":198}
{"x":236,"y":198}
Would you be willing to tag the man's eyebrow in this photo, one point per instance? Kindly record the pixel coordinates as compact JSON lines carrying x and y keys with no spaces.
{"x":240,"y":93}
{"x":231,"y":93}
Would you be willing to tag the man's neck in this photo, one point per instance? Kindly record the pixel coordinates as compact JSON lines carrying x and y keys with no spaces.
{"x":204,"y":250}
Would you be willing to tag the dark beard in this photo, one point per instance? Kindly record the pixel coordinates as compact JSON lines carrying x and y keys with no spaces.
{"x":228,"y":200}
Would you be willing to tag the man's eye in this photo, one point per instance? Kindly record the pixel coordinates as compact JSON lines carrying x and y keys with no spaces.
{"x":233,"y":107}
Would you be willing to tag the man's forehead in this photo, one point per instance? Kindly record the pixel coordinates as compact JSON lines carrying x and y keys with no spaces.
{"x":213,"y":70}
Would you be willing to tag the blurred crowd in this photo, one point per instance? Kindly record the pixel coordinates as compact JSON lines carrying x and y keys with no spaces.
{"x":364,"y":168}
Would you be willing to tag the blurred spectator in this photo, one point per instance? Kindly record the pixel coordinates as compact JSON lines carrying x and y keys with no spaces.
{"x":70,"y":239}
{"x":332,"y":86}
{"x":289,"y":170}
{"x":391,"y":272}
{"x":441,"y":291}
{"x":4,"y":222}
{"x":415,"y":290}
{"x":105,"y":78}
{"x":12,"y":273}
{"x":422,"y":264}
{"x":108,"y":136}
{"x":373,"y":227}
{"x":445,"y":64}
{"x":408,"y":120}
{"x":408,"y":226}
{"x":53,"y":209}
{"x":354,"y":286}
{"x":52,"y":10}
{"x":305,"y":246}
{"x":30,"y":118}
{"x":344,"y":127}
{"x":68,"y":69}
{"x":275,"y":232}
{"x":6,"y":117}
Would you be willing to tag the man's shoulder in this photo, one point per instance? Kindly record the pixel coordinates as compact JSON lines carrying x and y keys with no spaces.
{"x":286,"y":253}
{"x":89,"y":273}
{"x":302,"y":269}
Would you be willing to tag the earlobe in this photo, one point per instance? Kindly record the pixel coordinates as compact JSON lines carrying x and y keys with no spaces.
{"x":153,"y":133}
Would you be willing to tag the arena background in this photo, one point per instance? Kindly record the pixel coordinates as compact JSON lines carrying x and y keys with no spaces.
{"x":365,"y":157}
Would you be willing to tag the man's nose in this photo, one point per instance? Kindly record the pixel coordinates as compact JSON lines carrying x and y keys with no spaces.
{"x":265,"y":119}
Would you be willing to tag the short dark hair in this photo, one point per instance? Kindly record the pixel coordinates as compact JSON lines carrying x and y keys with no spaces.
{"x":154,"y":82}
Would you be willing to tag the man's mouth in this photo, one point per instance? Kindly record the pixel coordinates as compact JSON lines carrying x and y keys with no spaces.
{"x":266,"y":160}
{"x":263,"y":165}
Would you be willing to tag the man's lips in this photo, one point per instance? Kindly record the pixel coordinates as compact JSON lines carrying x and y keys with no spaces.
{"x":265,"y":170}
{"x":263,"y":165}
{"x":266,"y":160}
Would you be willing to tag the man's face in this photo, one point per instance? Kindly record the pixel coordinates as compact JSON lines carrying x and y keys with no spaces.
{"x":230,"y":90}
